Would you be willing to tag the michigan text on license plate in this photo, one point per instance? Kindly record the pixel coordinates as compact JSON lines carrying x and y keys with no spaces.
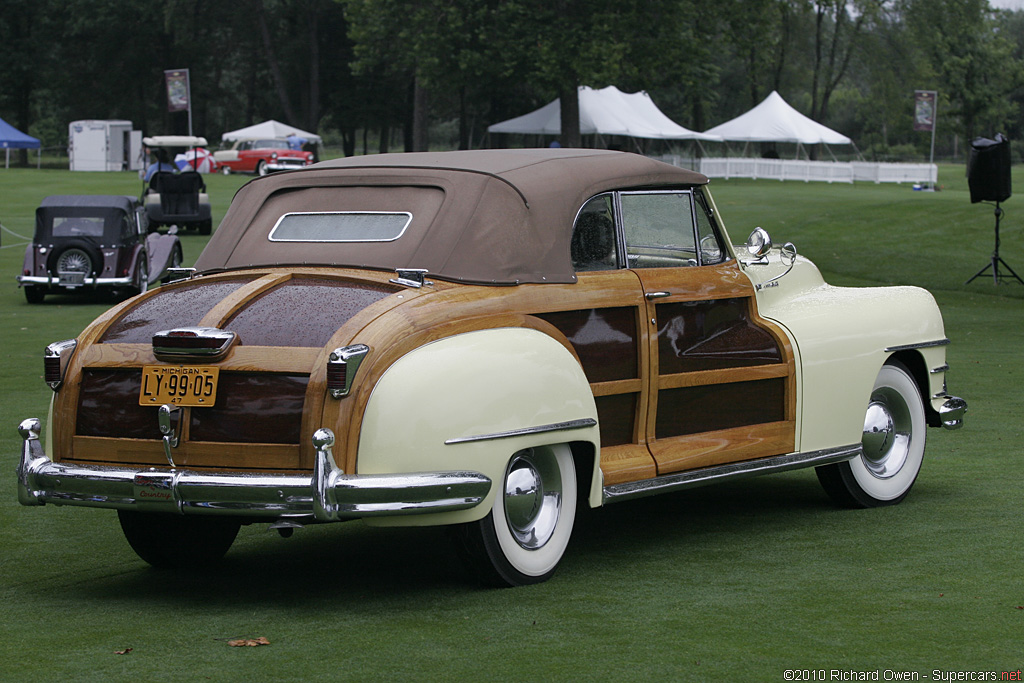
{"x":180,"y":385}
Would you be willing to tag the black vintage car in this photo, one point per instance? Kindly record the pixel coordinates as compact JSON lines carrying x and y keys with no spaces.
{"x":86,"y":242}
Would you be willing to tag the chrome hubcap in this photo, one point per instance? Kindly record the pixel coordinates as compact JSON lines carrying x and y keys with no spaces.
{"x":886,"y":437}
{"x":533,"y":497}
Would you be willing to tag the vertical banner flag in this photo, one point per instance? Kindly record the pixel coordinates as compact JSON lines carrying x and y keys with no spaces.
{"x":924,"y":110}
{"x":177,"y":89}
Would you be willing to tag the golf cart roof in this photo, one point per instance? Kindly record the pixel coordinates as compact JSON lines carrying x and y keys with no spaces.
{"x":174,"y":141}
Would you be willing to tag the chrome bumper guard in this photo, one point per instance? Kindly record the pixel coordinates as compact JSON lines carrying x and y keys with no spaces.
{"x":951,"y":412}
{"x":329,"y":495}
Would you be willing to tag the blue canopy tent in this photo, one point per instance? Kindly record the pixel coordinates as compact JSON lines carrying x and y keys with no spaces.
{"x":12,"y":138}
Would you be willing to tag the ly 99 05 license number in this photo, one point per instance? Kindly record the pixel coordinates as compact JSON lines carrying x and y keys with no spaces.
{"x":181,"y":385}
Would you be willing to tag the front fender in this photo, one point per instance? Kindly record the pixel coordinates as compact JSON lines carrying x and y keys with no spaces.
{"x":468,"y":402}
{"x":844,"y":336}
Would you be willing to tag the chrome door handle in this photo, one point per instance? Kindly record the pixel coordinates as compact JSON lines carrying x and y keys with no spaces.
{"x":657,"y":295}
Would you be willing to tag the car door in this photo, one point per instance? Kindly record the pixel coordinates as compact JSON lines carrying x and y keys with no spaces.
{"x":721,"y":378}
{"x":247,"y":157}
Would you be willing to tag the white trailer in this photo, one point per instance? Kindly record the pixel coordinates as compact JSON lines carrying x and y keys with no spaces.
{"x":104,"y":146}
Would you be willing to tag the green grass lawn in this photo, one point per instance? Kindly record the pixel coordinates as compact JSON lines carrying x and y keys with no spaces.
{"x":737,"y":582}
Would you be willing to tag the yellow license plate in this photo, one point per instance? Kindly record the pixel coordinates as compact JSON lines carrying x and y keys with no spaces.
{"x":180,"y":385}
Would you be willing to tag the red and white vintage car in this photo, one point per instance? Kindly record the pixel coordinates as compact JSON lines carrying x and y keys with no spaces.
{"x":261,"y":156}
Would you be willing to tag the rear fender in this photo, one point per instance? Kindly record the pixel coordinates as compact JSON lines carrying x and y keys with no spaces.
{"x":430,"y":408}
{"x":161,"y":250}
{"x":29,"y":264}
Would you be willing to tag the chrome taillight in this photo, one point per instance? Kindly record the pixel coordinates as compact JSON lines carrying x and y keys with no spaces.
{"x":55,"y":361}
{"x":342,"y":367}
{"x":207,"y":343}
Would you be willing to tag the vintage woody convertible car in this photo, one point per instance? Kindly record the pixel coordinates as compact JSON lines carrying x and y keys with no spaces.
{"x":485,"y":340}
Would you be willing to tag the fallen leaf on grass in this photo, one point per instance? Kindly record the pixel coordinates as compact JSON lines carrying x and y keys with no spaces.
{"x":123,"y":652}
{"x":249,"y":642}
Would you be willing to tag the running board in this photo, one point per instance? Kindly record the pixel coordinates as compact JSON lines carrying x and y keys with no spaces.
{"x":734,"y":470}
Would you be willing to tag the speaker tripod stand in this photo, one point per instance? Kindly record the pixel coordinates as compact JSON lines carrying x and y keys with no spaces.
{"x":996,"y":260}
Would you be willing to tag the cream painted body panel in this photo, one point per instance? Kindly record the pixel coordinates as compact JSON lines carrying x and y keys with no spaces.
{"x":841,"y":335}
{"x":471,"y":384}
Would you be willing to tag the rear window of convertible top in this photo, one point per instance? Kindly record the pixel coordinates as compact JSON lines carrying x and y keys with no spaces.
{"x":340,"y":226}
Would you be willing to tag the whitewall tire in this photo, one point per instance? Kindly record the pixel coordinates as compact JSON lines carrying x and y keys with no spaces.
{"x":524,"y":536}
{"x":892,"y":442}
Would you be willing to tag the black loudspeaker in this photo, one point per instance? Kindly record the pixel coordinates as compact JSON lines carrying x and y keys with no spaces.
{"x":988,"y":170}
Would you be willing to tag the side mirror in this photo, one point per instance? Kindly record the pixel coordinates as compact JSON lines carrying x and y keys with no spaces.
{"x":759,"y":244}
{"x":788,"y":254}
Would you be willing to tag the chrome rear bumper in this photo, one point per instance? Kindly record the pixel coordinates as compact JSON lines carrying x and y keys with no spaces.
{"x":50,"y":280}
{"x":327,"y":495}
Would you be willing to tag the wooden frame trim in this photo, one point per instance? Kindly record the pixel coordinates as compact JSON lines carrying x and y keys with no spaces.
{"x":719,"y":447}
{"x":724,"y":376}
{"x":626,"y":463}
{"x":621,"y":386}
{"x":143,"y":452}
{"x":233,"y":302}
{"x":279,"y":359}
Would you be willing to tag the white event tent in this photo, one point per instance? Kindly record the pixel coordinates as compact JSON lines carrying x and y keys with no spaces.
{"x":774,"y":120}
{"x":607,"y":111}
{"x":270,"y":129}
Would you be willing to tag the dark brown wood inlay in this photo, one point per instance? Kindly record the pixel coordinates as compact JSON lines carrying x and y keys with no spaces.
{"x":253,"y":408}
{"x":108,"y":405}
{"x":605,"y":340}
{"x":691,"y":410}
{"x":616,"y":415}
{"x":711,"y":335}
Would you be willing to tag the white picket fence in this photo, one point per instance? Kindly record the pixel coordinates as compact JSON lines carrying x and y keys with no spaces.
{"x":807,"y":171}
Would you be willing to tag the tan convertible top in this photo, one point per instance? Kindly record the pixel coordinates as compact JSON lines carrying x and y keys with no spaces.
{"x":487,"y":216}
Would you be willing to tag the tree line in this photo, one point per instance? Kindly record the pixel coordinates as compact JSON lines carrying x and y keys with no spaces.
{"x":391,"y":75}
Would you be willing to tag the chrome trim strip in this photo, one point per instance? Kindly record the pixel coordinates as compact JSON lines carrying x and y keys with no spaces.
{"x":940,"y":369}
{"x":328,"y":495}
{"x":919,"y":345}
{"x":582,"y":423}
{"x":736,"y":470}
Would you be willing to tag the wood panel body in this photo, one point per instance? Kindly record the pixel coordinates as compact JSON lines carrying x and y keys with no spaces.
{"x":618,"y":336}
{"x":722,"y":378}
